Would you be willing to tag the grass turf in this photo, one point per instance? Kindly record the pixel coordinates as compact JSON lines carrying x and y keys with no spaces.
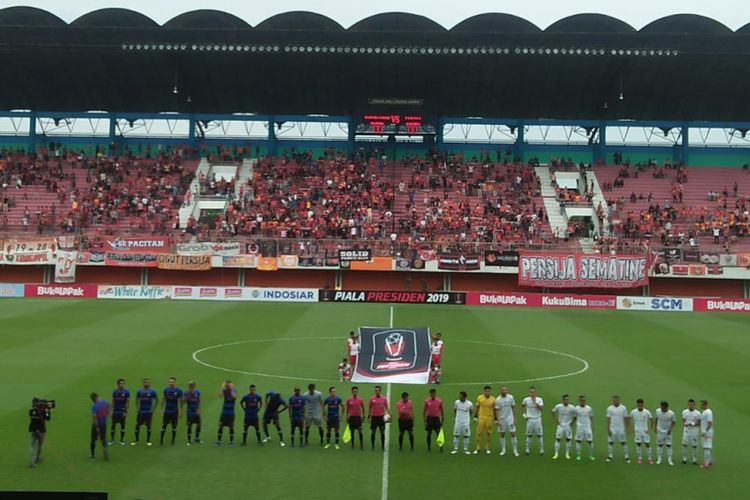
{"x":64,"y":349}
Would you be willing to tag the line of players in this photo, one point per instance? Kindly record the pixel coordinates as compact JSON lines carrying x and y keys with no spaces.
{"x":698,"y":426}
{"x":306,"y":411}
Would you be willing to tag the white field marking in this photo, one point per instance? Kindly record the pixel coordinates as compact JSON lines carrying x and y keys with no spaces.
{"x":387,"y":445}
{"x":257,"y":341}
{"x":584,"y":363}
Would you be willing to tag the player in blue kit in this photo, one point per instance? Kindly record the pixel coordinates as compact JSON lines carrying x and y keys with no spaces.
{"x":192,"y":399}
{"x":274,"y":405}
{"x":99,"y":414}
{"x":226,"y":419}
{"x":251,"y":403}
{"x":120,"y":404}
{"x":297,"y":415}
{"x":333,"y":406}
{"x":171,"y":404}
{"x":145,"y":403}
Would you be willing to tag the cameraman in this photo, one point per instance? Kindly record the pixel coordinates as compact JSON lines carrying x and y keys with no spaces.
{"x":39,"y":415}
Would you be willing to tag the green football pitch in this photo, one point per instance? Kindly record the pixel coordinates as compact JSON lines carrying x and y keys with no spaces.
{"x":64,"y":349}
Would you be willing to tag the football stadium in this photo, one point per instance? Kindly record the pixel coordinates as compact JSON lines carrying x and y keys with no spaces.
{"x":391,"y":259}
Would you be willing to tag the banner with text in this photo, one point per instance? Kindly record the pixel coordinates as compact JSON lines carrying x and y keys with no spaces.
{"x":208,"y":248}
{"x":458,"y":262}
{"x":61,"y":291}
{"x":29,"y":251}
{"x":137,"y":245}
{"x":130,"y":259}
{"x":671,"y":304}
{"x":582,"y":270}
{"x":555,"y":300}
{"x":10,"y":290}
{"x":393,"y":297}
{"x":393,"y":355}
{"x":142,"y":292}
{"x":175,"y":262}
{"x":721,"y":305}
{"x":65,"y":266}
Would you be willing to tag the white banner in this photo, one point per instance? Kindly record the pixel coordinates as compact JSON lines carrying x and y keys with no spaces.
{"x":65,"y":266}
{"x":208,"y":248}
{"x":134,"y":292}
{"x":281,"y":294}
{"x":245,"y":294}
{"x":672,"y":304}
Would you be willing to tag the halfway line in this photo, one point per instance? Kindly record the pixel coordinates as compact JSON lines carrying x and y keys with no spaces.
{"x":387,"y":445}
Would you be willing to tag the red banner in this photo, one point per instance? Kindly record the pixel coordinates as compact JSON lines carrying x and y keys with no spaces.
{"x":579,"y":270}
{"x":721,"y":305}
{"x":519,"y":299}
{"x":153,"y":244}
{"x":62,"y":291}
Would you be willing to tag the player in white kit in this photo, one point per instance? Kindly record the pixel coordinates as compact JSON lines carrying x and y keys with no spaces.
{"x":707,"y":434}
{"x":664,"y":422}
{"x":533,"y":406}
{"x":505,"y":414}
{"x":563,"y":414}
{"x":583,"y":416}
{"x":617,"y":415}
{"x":462,"y":410}
{"x":641,"y":419}
{"x":691,"y":421}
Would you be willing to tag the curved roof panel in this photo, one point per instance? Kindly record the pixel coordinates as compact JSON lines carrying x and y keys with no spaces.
{"x":686,"y":24}
{"x":114,"y":18}
{"x":397,"y":21}
{"x":28,"y":16}
{"x":206,"y":19}
{"x":300,"y":21}
{"x":496,"y":22}
{"x":589,"y":23}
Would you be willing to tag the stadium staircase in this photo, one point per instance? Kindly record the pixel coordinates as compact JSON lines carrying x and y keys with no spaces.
{"x":597,"y":200}
{"x":189,"y":209}
{"x":244,"y":174}
{"x":558,"y":221}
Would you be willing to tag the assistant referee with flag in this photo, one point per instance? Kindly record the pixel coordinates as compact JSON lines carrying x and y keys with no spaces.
{"x":433,"y":419}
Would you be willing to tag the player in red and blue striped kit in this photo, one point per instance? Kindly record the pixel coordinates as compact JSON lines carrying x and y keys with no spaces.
{"x":120,"y":404}
{"x":99,"y":413}
{"x":251,"y":403}
{"x":226,"y":419}
{"x":171,"y":405}
{"x":297,"y":415}
{"x":333,"y":406}
{"x":192,"y":399}
{"x":145,"y":401}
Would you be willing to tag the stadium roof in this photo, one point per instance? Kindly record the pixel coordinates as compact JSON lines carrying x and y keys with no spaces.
{"x":587,"y":66}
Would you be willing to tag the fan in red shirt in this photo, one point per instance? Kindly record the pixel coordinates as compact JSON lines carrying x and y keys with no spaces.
{"x":378,"y":409}
{"x":355,"y":407}
{"x":405,"y":410}
{"x":433,"y":417}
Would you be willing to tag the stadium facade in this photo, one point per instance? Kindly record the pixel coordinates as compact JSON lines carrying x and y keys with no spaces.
{"x":585,"y":88}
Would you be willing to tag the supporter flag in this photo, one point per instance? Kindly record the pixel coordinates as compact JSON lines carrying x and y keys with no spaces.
{"x":440,"y":438}
{"x":399,"y":355}
{"x":65,"y":266}
{"x":347,"y":435}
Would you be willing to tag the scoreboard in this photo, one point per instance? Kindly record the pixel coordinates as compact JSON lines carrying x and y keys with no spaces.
{"x":394,"y":124}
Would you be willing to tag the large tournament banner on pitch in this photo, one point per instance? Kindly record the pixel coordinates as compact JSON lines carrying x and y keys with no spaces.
{"x":581,"y":270}
{"x":399,"y":355}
